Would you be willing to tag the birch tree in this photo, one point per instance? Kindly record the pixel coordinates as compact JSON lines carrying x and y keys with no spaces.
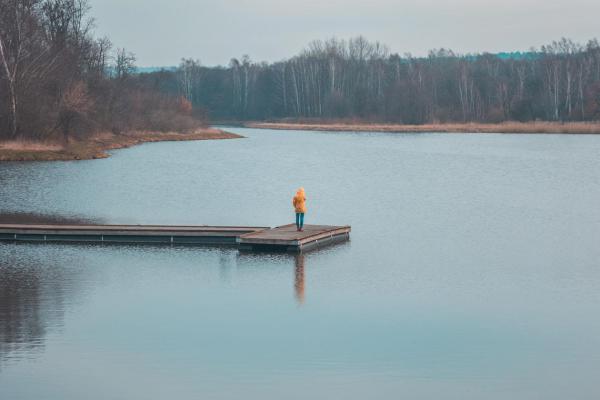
{"x":18,"y":55}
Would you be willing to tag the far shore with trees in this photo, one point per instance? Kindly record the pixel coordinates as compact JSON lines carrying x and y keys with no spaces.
{"x":360,"y":80}
{"x":65,"y":94}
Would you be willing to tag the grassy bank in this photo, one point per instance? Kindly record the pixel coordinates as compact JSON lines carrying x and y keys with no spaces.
{"x":98,"y":145}
{"x":505,"y":127}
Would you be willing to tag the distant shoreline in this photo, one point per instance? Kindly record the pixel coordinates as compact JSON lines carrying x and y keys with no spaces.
{"x":97,"y":146}
{"x":592,"y":128}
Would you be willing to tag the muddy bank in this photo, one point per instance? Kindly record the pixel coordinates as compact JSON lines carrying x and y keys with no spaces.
{"x":98,"y":145}
{"x":506,"y":127}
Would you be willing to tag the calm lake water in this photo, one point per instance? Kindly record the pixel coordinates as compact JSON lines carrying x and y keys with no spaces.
{"x":473,"y":272}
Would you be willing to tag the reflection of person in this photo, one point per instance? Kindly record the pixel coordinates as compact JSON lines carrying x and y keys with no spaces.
{"x":299,"y":203}
{"x":299,"y":278}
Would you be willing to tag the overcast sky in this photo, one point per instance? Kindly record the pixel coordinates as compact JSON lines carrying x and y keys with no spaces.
{"x":161,"y":32}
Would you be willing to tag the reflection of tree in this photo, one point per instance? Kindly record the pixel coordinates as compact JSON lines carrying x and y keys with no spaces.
{"x":299,"y":278}
{"x":31,"y":301}
{"x":37,"y":218}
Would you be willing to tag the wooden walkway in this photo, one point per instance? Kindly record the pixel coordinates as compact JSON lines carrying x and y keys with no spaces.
{"x":155,"y":234}
{"x":283,"y":238}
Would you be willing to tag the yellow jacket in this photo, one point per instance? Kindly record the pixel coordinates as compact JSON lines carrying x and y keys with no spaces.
{"x":299,"y":201}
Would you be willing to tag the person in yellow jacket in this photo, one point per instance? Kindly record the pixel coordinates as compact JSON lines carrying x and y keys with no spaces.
{"x":299,"y":202}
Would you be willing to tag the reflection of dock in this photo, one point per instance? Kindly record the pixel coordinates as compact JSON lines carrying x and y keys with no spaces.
{"x":284,"y":238}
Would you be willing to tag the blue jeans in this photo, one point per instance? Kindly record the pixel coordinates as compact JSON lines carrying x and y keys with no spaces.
{"x":299,"y":220}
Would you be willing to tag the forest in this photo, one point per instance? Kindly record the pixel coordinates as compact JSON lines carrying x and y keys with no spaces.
{"x":361,"y":80}
{"x":57,"y":81}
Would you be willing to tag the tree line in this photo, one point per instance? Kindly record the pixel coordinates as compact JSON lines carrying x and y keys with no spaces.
{"x":58,"y":81}
{"x":358,"y":79}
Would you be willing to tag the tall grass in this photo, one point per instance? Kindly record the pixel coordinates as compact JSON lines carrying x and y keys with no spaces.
{"x":504,"y":127}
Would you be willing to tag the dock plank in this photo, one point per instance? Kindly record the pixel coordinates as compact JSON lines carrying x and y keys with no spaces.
{"x":136,"y":228}
{"x":143,"y":230}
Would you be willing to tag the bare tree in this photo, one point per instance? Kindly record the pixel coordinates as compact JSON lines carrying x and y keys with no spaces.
{"x":189,"y":76}
{"x":124,"y":64}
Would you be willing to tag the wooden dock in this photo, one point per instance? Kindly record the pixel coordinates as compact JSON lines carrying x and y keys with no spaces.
{"x":287,"y":238}
{"x":284,"y":238}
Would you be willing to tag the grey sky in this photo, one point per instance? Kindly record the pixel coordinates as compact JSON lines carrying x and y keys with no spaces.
{"x":161,"y":32}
